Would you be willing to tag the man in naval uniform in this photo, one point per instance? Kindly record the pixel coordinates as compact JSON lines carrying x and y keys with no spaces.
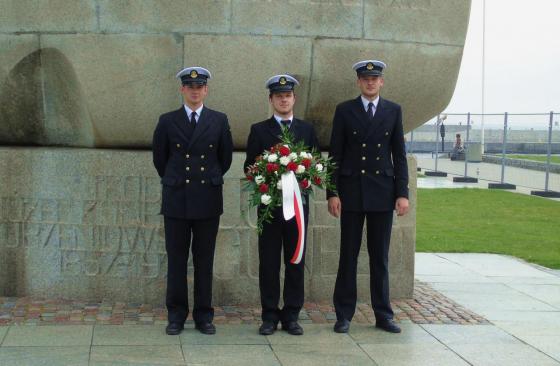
{"x":280,"y":234}
{"x":192,"y":150}
{"x":371,"y":177}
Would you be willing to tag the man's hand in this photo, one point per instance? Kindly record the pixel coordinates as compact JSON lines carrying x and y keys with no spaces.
{"x":335,"y":206}
{"x":401,"y":206}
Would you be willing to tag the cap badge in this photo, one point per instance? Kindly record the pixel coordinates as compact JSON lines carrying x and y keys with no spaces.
{"x":282,"y":80}
{"x":194,"y":74}
{"x":369,"y":66}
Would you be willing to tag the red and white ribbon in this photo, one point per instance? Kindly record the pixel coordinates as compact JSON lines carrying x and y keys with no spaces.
{"x":292,"y":205}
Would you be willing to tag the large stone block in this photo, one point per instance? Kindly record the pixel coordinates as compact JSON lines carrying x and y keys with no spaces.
{"x":299,"y":18}
{"x":241,"y":65}
{"x":102,"y":61}
{"x":425,"y":21}
{"x":85,"y":224}
{"x":123,"y":95}
{"x":47,"y":16}
{"x":156,"y":16}
{"x":18,"y":103}
{"x":420,"y":77}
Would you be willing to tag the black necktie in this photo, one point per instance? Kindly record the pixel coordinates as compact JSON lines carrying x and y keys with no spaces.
{"x":286,"y":123}
{"x":192,"y":124}
{"x":370,"y":111}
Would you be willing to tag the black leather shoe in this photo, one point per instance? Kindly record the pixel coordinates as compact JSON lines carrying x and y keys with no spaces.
{"x":342,"y":326}
{"x":267,"y":328}
{"x":292,"y":328}
{"x":205,"y":328}
{"x":174,"y":328}
{"x":388,"y":325}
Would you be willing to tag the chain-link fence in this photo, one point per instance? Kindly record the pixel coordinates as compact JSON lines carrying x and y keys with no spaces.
{"x":506,"y":150}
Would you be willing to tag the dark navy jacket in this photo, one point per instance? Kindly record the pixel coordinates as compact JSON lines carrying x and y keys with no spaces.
{"x":371,"y":168}
{"x":192,"y":169}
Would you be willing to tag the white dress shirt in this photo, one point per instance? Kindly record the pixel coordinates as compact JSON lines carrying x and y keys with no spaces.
{"x":366,"y":101}
{"x":189,"y":112}
{"x":280,"y":119}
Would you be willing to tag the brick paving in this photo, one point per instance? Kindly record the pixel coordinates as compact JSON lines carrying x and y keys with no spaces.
{"x":426,"y":307}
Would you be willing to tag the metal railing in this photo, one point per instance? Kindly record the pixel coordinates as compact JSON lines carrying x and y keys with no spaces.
{"x":512,"y":149}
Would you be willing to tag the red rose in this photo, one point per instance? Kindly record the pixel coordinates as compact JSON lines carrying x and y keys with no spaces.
{"x":263,"y":188}
{"x":250,"y":178}
{"x":306,"y":163}
{"x":317,"y":180}
{"x":284,"y":151}
{"x":271,"y":167}
{"x":304,"y":183}
{"x":292,"y":166}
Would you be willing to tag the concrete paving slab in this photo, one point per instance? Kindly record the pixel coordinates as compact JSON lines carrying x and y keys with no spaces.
{"x":137,"y":355}
{"x":481,"y":303}
{"x":51,"y":335}
{"x":494,"y":265}
{"x":131,"y":335}
{"x":325,"y":355}
{"x":506,"y":355}
{"x":313,"y":334}
{"x":461,"y":334}
{"x":230,"y":334}
{"x":412,"y":354}
{"x":3,"y":331}
{"x":231,"y":355}
{"x":553,"y":280}
{"x":44,"y":356}
{"x":411,"y":333}
{"x":475,"y":288}
{"x":547,"y":326}
{"x":531,"y":316}
{"x":549,"y":294}
{"x":550,"y":345}
{"x":435,"y":264}
{"x":462,"y":279}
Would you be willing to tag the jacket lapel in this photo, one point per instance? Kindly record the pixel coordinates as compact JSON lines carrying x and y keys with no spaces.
{"x":180,"y":121}
{"x":360,"y":114}
{"x":295,"y":129}
{"x":274,"y":128}
{"x":378,"y":118}
{"x":204,"y":122}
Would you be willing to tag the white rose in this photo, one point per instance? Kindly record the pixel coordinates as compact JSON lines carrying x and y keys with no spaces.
{"x":266,"y":199}
{"x":303,"y":154}
{"x":293,"y":156}
{"x":259,"y":179}
{"x":285,"y":160}
{"x":272,"y":158}
{"x":300,"y":169}
{"x":279,"y":185}
{"x":309,"y":156}
{"x":319,"y":167}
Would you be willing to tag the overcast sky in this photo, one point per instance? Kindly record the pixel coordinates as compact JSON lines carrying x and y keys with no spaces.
{"x":522,"y":59}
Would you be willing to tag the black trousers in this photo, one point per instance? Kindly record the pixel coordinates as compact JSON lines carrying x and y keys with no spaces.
{"x":276,"y":235}
{"x":378,"y":238}
{"x":178,"y":234}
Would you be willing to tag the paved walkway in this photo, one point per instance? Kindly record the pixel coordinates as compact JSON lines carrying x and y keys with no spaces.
{"x":427,"y":306}
{"x":525,"y":179}
{"x":521,"y":301}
